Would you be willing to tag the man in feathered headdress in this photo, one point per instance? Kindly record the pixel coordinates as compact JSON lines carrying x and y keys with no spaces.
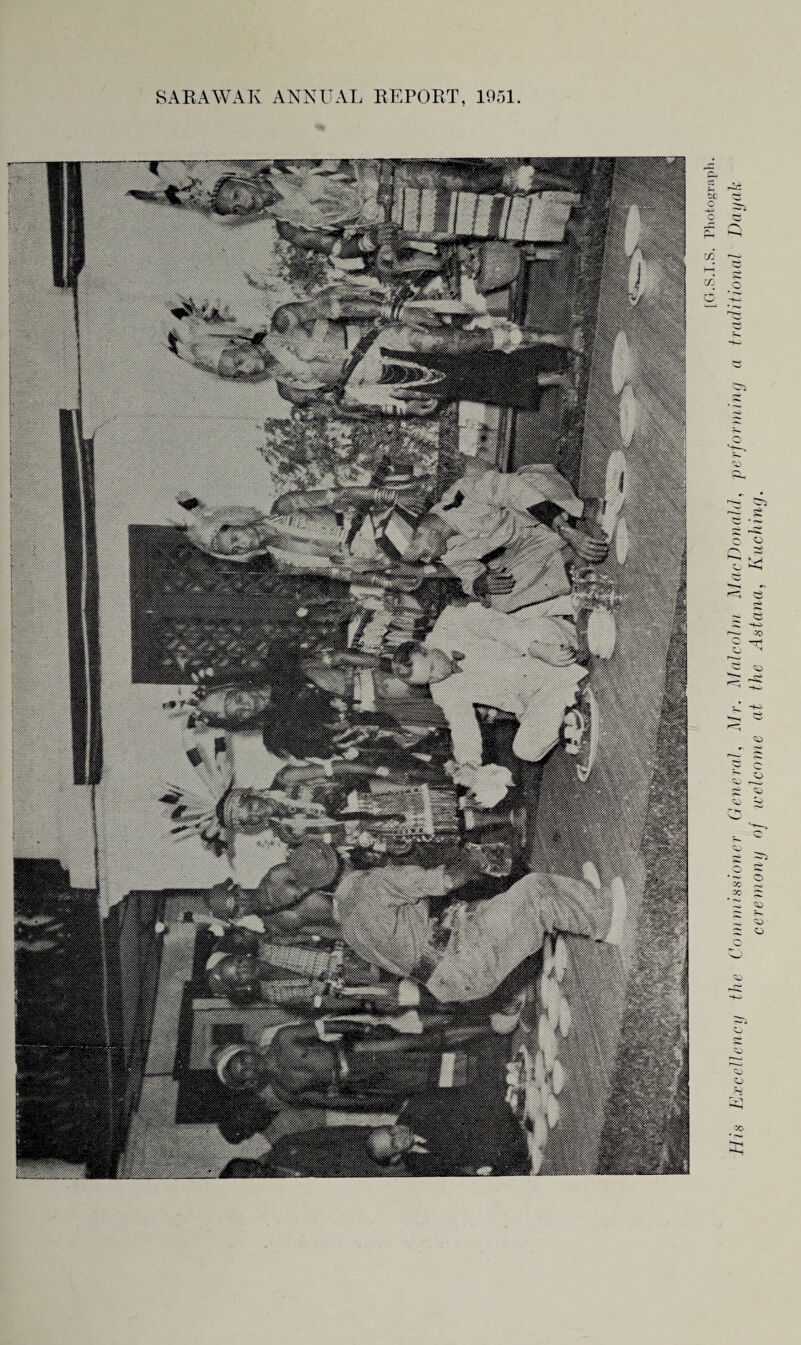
{"x":315,"y":979}
{"x":347,"y":535}
{"x":305,"y":533}
{"x":407,"y":363}
{"x":321,"y":204}
{"x":309,"y":194}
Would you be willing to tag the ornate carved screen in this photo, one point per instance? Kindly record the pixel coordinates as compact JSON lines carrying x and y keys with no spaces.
{"x":190,"y":612}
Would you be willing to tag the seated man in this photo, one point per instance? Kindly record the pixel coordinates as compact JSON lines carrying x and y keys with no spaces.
{"x":469,"y":1134}
{"x":523,"y":663}
{"x":466,"y":953}
{"x":507,"y":535}
{"x":325,"y":1151}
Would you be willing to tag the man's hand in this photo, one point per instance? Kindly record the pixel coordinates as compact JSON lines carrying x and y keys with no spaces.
{"x":492,"y":582}
{"x":500,"y":581}
{"x":594,"y":550}
{"x":480,"y":589}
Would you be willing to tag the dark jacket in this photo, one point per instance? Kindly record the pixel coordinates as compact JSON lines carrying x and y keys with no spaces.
{"x":328,"y":1151}
{"x":465,"y":1129}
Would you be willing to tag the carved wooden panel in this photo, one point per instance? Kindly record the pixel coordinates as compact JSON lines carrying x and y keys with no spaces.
{"x":190,"y":612}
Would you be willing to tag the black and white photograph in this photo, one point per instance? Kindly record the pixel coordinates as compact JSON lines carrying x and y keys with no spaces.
{"x":349,"y":667}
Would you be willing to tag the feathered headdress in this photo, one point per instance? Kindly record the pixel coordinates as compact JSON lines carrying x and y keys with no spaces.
{"x":186,"y":704}
{"x":205,"y":524}
{"x":245,"y":179}
{"x":187,"y":186}
{"x":203,"y":330}
{"x":188,"y":701}
{"x":202,"y":814}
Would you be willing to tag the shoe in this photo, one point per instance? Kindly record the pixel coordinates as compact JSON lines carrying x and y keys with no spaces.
{"x":619,"y":912}
{"x":507,"y":1018}
{"x":518,"y":820}
{"x":581,"y":730}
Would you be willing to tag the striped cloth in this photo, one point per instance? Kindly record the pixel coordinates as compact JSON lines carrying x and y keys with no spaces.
{"x":438,"y":213}
{"x":413,"y":812}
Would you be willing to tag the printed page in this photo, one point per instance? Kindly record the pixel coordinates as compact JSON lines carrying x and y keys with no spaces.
{"x":400,"y":628}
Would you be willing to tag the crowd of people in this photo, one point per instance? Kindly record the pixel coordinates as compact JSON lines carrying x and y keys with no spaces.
{"x":385,"y":943}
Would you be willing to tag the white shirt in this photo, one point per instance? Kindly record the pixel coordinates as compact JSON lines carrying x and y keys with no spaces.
{"x":489,"y":510}
{"x":497,"y":669}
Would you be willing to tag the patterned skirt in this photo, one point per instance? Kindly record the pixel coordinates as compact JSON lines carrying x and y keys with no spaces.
{"x":396,"y":820}
{"x":416,"y":812}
